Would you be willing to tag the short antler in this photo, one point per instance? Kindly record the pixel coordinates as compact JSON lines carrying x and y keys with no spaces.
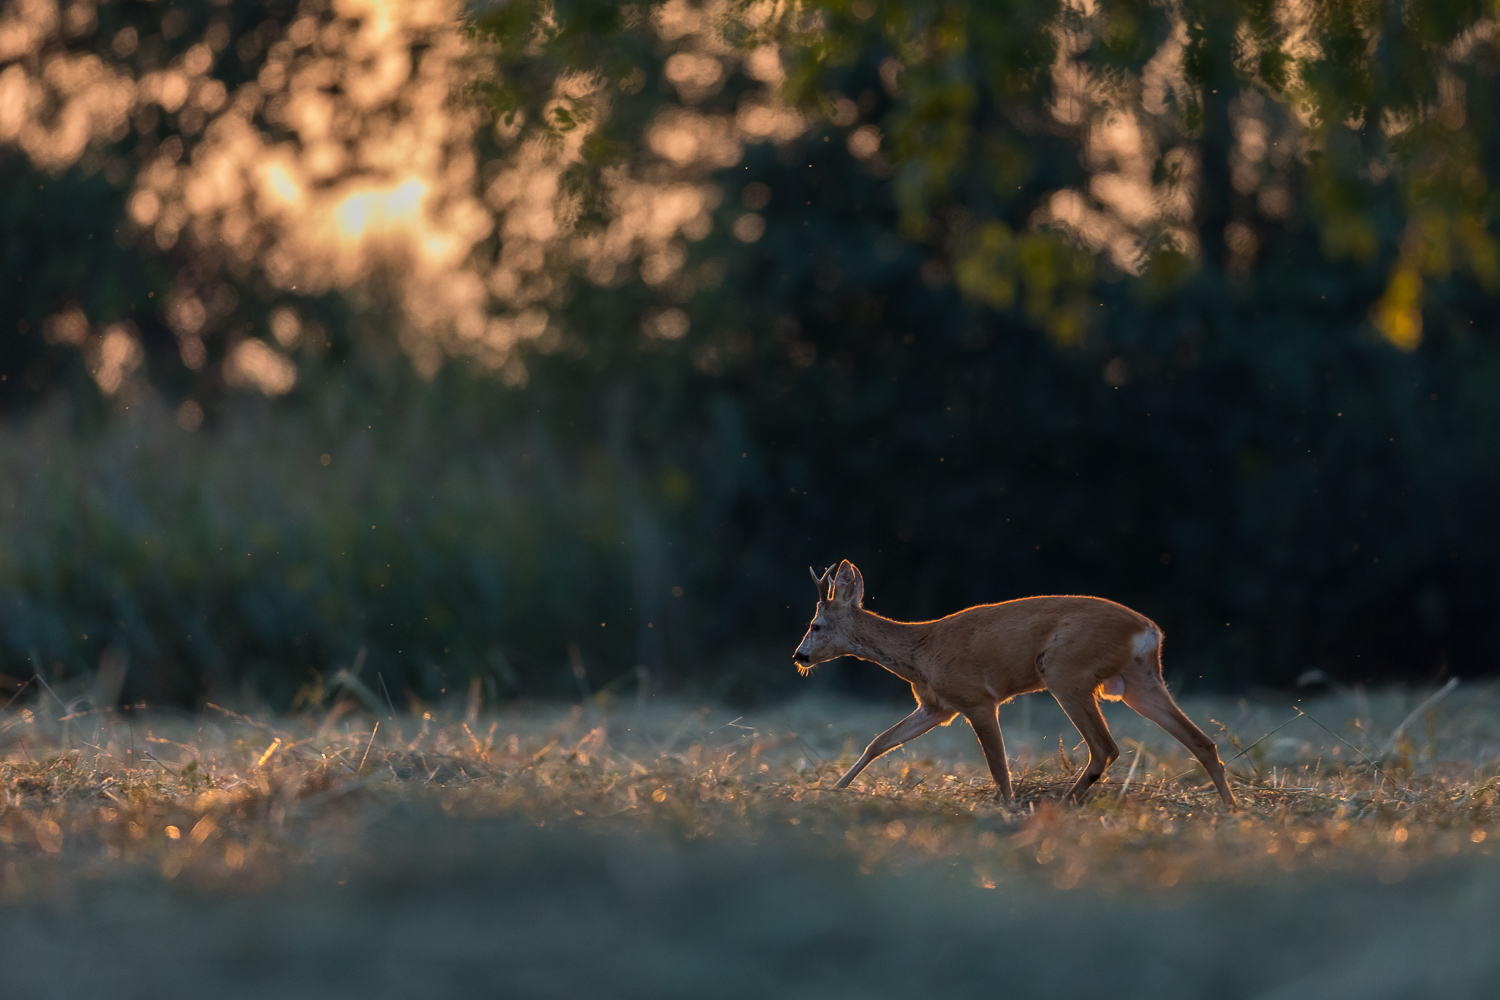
{"x":821,"y":582}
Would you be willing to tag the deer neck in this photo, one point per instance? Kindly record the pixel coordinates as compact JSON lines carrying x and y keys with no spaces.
{"x":894,"y":645}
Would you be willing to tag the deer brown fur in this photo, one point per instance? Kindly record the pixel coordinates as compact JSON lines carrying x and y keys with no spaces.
{"x":971,"y":662}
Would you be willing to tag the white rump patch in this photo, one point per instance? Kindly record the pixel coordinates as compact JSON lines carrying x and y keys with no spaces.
{"x":1113,"y":688}
{"x":1145,"y":642}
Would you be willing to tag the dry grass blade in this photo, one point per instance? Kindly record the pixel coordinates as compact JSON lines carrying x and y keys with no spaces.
{"x":1430,"y":701}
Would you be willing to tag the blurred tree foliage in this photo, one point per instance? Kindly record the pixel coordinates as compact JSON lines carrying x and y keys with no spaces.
{"x":1252,"y":396}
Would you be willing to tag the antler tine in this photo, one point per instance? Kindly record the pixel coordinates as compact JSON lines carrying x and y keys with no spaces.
{"x":821,"y":582}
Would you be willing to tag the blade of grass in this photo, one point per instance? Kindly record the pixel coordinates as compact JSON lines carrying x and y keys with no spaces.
{"x":1433,"y":699}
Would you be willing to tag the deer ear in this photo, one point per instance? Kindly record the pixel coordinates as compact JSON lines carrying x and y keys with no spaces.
{"x":849,"y":585}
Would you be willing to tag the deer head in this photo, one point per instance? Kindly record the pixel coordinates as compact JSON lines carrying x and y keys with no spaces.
{"x":831,"y":633}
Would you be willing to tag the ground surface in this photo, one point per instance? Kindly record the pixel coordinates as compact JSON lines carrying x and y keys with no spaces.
{"x":670,"y":850}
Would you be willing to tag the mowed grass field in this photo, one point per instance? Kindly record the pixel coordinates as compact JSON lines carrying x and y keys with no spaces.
{"x":668,"y":849}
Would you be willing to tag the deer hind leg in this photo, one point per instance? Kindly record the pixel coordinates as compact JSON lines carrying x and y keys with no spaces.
{"x":924,"y":718}
{"x":1082,"y":708}
{"x":1147,"y":694}
{"x":987,"y":727}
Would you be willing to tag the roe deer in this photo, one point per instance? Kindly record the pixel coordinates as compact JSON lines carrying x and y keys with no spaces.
{"x":1078,"y":648}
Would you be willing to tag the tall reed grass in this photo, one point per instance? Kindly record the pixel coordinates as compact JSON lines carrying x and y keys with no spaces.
{"x":424,"y":543}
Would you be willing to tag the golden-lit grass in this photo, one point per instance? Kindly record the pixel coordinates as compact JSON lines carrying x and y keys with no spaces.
{"x":223,"y":798}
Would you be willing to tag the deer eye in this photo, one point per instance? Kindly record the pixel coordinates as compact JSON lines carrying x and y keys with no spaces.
{"x":817,"y":628}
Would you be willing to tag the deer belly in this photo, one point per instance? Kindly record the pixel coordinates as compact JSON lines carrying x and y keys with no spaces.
{"x":1003,"y":685}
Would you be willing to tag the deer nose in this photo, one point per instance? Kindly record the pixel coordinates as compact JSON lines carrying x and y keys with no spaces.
{"x":800,"y":657}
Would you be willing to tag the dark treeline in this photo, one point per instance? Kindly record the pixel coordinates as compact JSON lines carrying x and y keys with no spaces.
{"x":1271,"y":427}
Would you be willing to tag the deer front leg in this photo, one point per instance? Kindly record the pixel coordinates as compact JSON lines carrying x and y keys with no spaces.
{"x":986,"y":725}
{"x":909,"y":728}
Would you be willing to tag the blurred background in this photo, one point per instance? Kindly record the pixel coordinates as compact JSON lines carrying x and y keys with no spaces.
{"x":531,"y":350}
